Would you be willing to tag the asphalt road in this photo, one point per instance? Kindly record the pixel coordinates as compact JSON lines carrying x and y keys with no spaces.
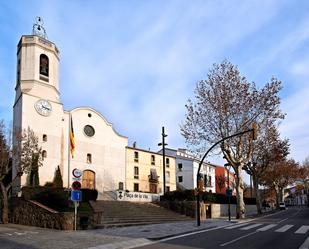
{"x":288,"y":229}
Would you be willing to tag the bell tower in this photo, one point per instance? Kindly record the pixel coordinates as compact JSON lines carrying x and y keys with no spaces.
{"x":37,"y":65}
{"x":37,"y":98}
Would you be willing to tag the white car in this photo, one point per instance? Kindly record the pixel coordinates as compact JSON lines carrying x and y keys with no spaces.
{"x":282,"y":206}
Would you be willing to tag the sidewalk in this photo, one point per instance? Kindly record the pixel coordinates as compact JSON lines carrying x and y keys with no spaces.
{"x":130,"y":237}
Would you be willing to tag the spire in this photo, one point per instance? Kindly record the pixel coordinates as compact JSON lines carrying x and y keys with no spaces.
{"x":38,"y":28}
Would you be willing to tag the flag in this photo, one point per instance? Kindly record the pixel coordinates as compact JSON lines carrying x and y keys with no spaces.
{"x":72,"y":142}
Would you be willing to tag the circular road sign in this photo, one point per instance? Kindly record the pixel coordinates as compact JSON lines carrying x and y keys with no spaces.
{"x":77,"y":173}
{"x":76,"y":185}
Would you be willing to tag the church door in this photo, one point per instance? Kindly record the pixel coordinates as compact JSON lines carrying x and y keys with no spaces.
{"x":88,"y":180}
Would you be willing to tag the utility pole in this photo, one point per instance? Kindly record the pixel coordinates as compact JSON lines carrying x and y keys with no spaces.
{"x":163,"y":153}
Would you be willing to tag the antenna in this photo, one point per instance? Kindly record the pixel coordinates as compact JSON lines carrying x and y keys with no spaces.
{"x":38,"y":28}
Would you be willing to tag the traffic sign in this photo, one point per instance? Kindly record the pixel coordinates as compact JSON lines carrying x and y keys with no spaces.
{"x":76,"y":173}
{"x":76,"y":195}
{"x":76,"y":185}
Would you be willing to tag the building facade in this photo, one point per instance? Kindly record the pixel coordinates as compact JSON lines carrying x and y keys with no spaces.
{"x":100,"y":152}
{"x":224,"y":178}
{"x":144,"y":171}
{"x":186,"y":170}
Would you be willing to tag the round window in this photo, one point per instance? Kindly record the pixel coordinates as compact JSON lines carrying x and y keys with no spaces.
{"x":89,"y":130}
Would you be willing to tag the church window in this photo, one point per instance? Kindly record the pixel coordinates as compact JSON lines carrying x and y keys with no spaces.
{"x":44,"y":65}
{"x":44,"y":154}
{"x":153,"y":160}
{"x":89,"y":115}
{"x":89,"y":158}
{"x":89,"y":130}
{"x":44,"y":138}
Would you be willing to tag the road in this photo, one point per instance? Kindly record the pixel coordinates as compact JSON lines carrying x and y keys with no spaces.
{"x":288,"y":229}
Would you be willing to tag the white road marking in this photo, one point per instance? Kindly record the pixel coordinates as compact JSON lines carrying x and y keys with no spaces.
{"x":302,"y":230}
{"x":305,"y":245}
{"x":283,"y":220}
{"x":9,"y":234}
{"x":250,"y":227}
{"x":234,"y":240}
{"x":284,"y":228}
{"x":236,"y":226}
{"x":263,"y":229}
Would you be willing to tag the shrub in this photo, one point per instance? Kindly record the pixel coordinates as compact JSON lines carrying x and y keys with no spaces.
{"x":205,"y":196}
{"x":89,"y":194}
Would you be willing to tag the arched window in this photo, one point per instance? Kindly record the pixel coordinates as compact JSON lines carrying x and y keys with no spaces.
{"x":44,"y":65}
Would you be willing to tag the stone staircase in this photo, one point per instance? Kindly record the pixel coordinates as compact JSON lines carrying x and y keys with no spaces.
{"x":123,"y":213}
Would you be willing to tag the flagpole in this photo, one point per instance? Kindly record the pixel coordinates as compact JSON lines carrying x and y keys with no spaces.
{"x":69,"y":149}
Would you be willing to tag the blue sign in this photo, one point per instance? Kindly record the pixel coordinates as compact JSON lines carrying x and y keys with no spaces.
{"x":76,"y":195}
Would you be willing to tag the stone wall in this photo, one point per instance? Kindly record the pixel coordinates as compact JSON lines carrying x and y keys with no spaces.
{"x":32,"y":213}
{"x":221,"y":210}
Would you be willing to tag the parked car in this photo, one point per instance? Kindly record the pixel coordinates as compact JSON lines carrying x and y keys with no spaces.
{"x":282,"y":206}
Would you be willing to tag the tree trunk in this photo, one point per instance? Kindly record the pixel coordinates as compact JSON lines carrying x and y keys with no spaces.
{"x":240,"y":207}
{"x":257,"y":194}
{"x":5,"y":204}
{"x":277,"y":197}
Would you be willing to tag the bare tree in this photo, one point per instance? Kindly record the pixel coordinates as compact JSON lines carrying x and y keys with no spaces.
{"x":268,"y":149}
{"x":279,"y":175}
{"x":27,"y":154}
{"x":225,"y":104}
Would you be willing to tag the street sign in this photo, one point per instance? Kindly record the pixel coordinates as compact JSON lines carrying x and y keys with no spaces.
{"x":76,"y":173}
{"x":76,"y":195}
{"x":76,"y":185}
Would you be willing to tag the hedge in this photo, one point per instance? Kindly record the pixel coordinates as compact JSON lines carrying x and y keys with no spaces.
{"x":205,"y":196}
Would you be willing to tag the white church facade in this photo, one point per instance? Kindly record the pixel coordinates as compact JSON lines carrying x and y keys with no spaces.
{"x":100,"y":152}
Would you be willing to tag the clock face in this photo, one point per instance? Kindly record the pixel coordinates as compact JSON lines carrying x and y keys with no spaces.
{"x":43,"y":107}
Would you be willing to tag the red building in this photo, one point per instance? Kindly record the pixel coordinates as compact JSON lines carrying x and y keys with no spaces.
{"x":222,"y":180}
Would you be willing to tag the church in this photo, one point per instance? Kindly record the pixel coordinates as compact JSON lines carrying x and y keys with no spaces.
{"x":100,"y":151}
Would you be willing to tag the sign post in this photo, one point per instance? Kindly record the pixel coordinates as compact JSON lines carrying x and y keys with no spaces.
{"x":76,"y":194}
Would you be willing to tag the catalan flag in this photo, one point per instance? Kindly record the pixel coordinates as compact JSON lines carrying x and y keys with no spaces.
{"x":72,"y":141}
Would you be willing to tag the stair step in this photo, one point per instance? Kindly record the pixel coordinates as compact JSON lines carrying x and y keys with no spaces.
{"x":121,"y":213}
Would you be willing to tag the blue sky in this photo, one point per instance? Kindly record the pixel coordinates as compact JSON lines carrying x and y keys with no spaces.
{"x":137,"y":62}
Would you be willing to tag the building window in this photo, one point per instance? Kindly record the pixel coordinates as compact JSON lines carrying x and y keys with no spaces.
{"x":180,"y":166}
{"x":120,"y":185}
{"x":153,"y":160}
{"x":89,"y":115}
{"x":136,"y":173}
{"x":44,"y":65}
{"x":180,"y":179}
{"x":44,"y":154}
{"x":208,"y":181}
{"x":136,"y":187}
{"x":167,"y":162}
{"x":135,"y":156}
{"x":167,"y":174}
{"x":167,"y":188}
{"x":44,"y":138}
{"x":89,"y":158}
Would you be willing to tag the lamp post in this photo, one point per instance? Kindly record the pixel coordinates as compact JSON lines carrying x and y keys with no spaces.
{"x":227,"y":166}
{"x":163,"y":153}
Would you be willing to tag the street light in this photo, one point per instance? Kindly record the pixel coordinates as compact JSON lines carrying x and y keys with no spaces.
{"x":227,"y":166}
{"x":163,"y":152}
